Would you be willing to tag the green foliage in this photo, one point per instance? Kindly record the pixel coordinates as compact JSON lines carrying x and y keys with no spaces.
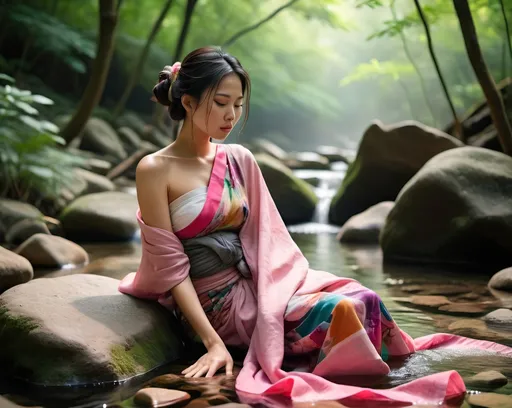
{"x":46,"y":34}
{"x":32,"y":166}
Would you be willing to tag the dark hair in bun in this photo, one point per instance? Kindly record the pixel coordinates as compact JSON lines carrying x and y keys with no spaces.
{"x":202,"y":69}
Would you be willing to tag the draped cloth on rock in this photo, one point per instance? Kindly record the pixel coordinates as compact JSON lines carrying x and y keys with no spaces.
{"x":255,"y":309}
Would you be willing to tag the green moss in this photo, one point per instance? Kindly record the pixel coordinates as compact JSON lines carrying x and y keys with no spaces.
{"x":145,"y":354}
{"x":10,"y":324}
{"x":352,"y":172}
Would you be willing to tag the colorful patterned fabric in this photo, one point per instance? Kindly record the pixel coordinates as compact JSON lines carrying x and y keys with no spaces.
{"x":226,"y":205}
{"x":317,"y":322}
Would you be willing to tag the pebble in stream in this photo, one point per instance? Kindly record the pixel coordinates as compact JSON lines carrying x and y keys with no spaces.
{"x":160,"y":397}
{"x":486,"y":380}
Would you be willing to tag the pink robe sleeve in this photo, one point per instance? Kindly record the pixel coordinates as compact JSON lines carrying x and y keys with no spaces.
{"x":163,"y":265}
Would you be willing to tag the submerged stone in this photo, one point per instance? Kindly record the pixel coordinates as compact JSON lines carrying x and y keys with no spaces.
{"x":160,"y":397}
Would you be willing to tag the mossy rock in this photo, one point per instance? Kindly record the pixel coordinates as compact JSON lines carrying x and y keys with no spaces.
{"x":80,"y":329}
{"x":387,"y":158}
{"x":456,"y":209}
{"x":294,"y":198}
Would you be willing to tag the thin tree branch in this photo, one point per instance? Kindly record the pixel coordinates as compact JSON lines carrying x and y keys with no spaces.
{"x":253,"y":27}
{"x":458,"y":126}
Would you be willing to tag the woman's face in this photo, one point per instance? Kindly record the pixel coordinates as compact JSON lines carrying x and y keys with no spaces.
{"x":218,"y":113}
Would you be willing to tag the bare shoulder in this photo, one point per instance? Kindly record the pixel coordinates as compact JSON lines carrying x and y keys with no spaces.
{"x":152,"y":167}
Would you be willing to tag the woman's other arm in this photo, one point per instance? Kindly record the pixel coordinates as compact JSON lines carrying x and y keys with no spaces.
{"x":151,"y":183}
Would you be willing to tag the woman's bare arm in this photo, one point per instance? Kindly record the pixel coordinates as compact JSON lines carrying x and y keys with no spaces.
{"x":151,"y":184}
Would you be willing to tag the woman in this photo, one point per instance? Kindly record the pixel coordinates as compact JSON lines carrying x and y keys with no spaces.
{"x":215,"y":247}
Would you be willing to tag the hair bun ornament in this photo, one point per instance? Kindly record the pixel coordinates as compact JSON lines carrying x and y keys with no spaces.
{"x":175,"y":69}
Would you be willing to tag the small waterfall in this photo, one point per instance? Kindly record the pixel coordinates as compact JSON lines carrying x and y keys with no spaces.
{"x":328,"y":183}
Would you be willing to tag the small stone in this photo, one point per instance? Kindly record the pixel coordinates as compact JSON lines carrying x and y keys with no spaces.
{"x":51,"y":251}
{"x":476,"y":329}
{"x":159,"y":397}
{"x":502,"y":317}
{"x":412,"y":288}
{"x":430,"y":301}
{"x":502,"y":280}
{"x":464,"y":308}
{"x":487,"y":379}
{"x":490,"y":400}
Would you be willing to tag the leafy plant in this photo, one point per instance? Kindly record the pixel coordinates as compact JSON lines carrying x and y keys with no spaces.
{"x":32,"y":166}
{"x":46,"y":34}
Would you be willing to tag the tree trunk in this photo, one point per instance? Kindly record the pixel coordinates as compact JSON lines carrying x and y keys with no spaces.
{"x":253,"y":27}
{"x":507,"y":29}
{"x":189,"y":11}
{"x":101,"y":64}
{"x":415,"y":66}
{"x":141,"y":61}
{"x":458,"y":126}
{"x":494,"y":100}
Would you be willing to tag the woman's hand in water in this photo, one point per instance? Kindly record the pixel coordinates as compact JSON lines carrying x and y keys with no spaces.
{"x":217,"y":357}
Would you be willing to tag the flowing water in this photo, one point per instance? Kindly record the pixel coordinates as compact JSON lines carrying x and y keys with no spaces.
{"x":318,"y":242}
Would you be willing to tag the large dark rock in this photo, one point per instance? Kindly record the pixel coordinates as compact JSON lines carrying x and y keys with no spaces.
{"x":387,"y":158}
{"x":294,"y":198}
{"x":457,"y":209}
{"x":80,"y":329}
{"x":109,"y":216}
{"x":12,"y":212}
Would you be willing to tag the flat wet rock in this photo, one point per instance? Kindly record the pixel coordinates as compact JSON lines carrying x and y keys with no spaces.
{"x":465,"y":309}
{"x":487,"y":379}
{"x":490,"y":400}
{"x":160,"y":397}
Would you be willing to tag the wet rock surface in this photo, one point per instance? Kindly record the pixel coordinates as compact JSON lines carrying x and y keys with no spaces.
{"x":159,"y":397}
{"x":487,"y":379}
{"x":490,"y":400}
{"x":80,"y":328}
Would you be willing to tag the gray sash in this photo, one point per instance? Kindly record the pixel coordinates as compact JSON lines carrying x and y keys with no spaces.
{"x":214,"y":253}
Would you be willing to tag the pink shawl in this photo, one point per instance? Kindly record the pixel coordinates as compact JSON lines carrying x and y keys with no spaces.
{"x":279,"y":271}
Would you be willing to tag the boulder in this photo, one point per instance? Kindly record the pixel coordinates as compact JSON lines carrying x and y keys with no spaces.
{"x":129,"y":137}
{"x":155,"y":136}
{"x":365,"y":228}
{"x":455,"y":210}
{"x":333,"y":154}
{"x":44,"y":250}
{"x":502,"y":280}
{"x":12,"y":211}
{"x":387,"y":158}
{"x":14,"y":269}
{"x":95,"y":183}
{"x":100,"y":137}
{"x":132,"y":121}
{"x":81,"y":329}
{"x":306,"y":160}
{"x":265,"y":146}
{"x":109,"y":216}
{"x":294,"y":198}
{"x":24,"y":229}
